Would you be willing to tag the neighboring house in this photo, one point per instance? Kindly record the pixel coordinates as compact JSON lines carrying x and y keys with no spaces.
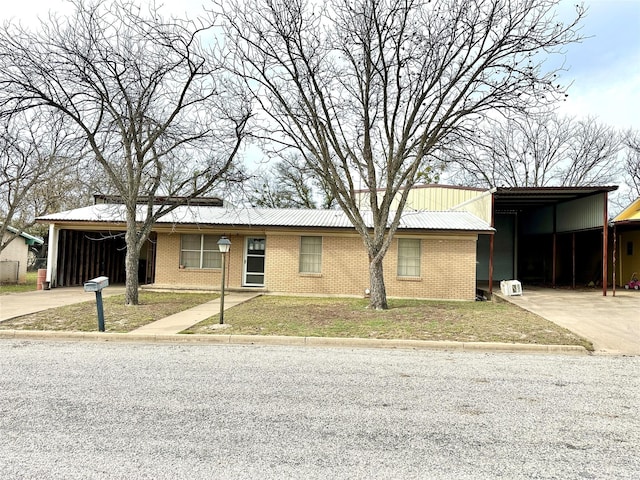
{"x":15,"y":256}
{"x":306,"y":252}
{"x":626,"y":231}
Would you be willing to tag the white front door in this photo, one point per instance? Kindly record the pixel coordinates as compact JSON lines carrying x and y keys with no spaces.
{"x":254,"y":250}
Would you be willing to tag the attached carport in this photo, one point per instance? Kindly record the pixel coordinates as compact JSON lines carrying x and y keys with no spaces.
{"x":551,"y":236}
{"x":82,"y":246}
{"x":78,"y":251}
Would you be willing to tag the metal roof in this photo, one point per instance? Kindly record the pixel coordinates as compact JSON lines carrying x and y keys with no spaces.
{"x":630,"y":214}
{"x":31,"y":240}
{"x":525,"y":197}
{"x":267,"y":217}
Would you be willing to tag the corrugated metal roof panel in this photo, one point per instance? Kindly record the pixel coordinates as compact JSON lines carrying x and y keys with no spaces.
{"x":443,"y":221}
{"x":94,"y":213}
{"x":291,"y":218}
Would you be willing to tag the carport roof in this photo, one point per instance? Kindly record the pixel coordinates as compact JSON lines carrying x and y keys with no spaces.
{"x":533,"y":197}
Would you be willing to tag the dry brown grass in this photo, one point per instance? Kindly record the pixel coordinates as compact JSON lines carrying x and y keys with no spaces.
{"x":316,"y":317}
{"x":405,"y":319}
{"x":83,"y":317}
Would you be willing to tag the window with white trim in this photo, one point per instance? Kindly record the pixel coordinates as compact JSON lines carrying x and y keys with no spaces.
{"x":200,"y":251}
{"x":408,"y":257}
{"x":310,"y":255}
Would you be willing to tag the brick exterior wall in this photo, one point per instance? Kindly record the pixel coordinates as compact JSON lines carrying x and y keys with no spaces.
{"x":448,"y":266}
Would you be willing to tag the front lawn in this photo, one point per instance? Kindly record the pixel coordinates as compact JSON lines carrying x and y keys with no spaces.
{"x":83,"y":317}
{"x":405,"y":319}
{"x":28,"y":286}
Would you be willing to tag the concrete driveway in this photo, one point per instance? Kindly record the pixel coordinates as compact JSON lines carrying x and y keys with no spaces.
{"x":17,"y":304}
{"x":611,"y":323}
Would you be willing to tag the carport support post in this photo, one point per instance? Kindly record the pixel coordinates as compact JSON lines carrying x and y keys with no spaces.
{"x":573,"y":260}
{"x":100,"y":311}
{"x":605,"y":240}
{"x":613,"y":260}
{"x":553,"y":266}
{"x":491,"y":240}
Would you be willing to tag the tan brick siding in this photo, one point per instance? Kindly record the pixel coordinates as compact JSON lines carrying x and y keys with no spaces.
{"x":448,"y":266}
{"x":168,"y":271}
{"x":344,"y":266}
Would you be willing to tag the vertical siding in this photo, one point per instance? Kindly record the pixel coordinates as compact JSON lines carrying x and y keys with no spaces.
{"x":581,"y":214}
{"x":437,"y":199}
{"x":84,"y":255}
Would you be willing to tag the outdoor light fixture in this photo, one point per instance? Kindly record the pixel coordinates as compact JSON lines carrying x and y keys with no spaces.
{"x":224,"y":244}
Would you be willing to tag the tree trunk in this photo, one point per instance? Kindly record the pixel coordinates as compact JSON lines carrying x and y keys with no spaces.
{"x":132,"y":259}
{"x":378,"y":292}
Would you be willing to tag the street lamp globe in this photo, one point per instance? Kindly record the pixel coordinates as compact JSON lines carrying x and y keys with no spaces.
{"x":224,"y":244}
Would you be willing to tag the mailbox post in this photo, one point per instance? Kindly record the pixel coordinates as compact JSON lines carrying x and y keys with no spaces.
{"x":96,"y":285}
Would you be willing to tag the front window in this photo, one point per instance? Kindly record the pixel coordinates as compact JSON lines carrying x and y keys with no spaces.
{"x":310,"y":254}
{"x":200,"y":251}
{"x":408,"y":257}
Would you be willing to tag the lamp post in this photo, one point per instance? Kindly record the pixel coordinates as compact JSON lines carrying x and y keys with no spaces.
{"x":224,"y":244}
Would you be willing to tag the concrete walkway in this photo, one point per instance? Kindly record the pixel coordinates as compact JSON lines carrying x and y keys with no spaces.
{"x":611,"y":323}
{"x":182,"y":320}
{"x":17,"y":304}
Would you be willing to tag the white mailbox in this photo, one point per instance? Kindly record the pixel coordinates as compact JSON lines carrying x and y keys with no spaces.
{"x":96,"y":284}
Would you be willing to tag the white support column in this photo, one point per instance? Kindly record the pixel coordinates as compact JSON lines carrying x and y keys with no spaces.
{"x":52,"y":254}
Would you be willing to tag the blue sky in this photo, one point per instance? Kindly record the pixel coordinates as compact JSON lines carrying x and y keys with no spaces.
{"x":604,"y":68}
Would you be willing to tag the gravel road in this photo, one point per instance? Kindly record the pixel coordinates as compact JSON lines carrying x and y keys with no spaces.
{"x":136,"y":411}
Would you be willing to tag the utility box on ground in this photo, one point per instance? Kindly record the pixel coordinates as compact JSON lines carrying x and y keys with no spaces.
{"x":510,"y":287}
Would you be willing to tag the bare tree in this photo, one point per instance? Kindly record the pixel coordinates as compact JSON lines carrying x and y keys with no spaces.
{"x":289,"y":184}
{"x":366,"y":90}
{"x":35,"y":162}
{"x":147,"y":94}
{"x":537,"y":151}
{"x":632,"y":164}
